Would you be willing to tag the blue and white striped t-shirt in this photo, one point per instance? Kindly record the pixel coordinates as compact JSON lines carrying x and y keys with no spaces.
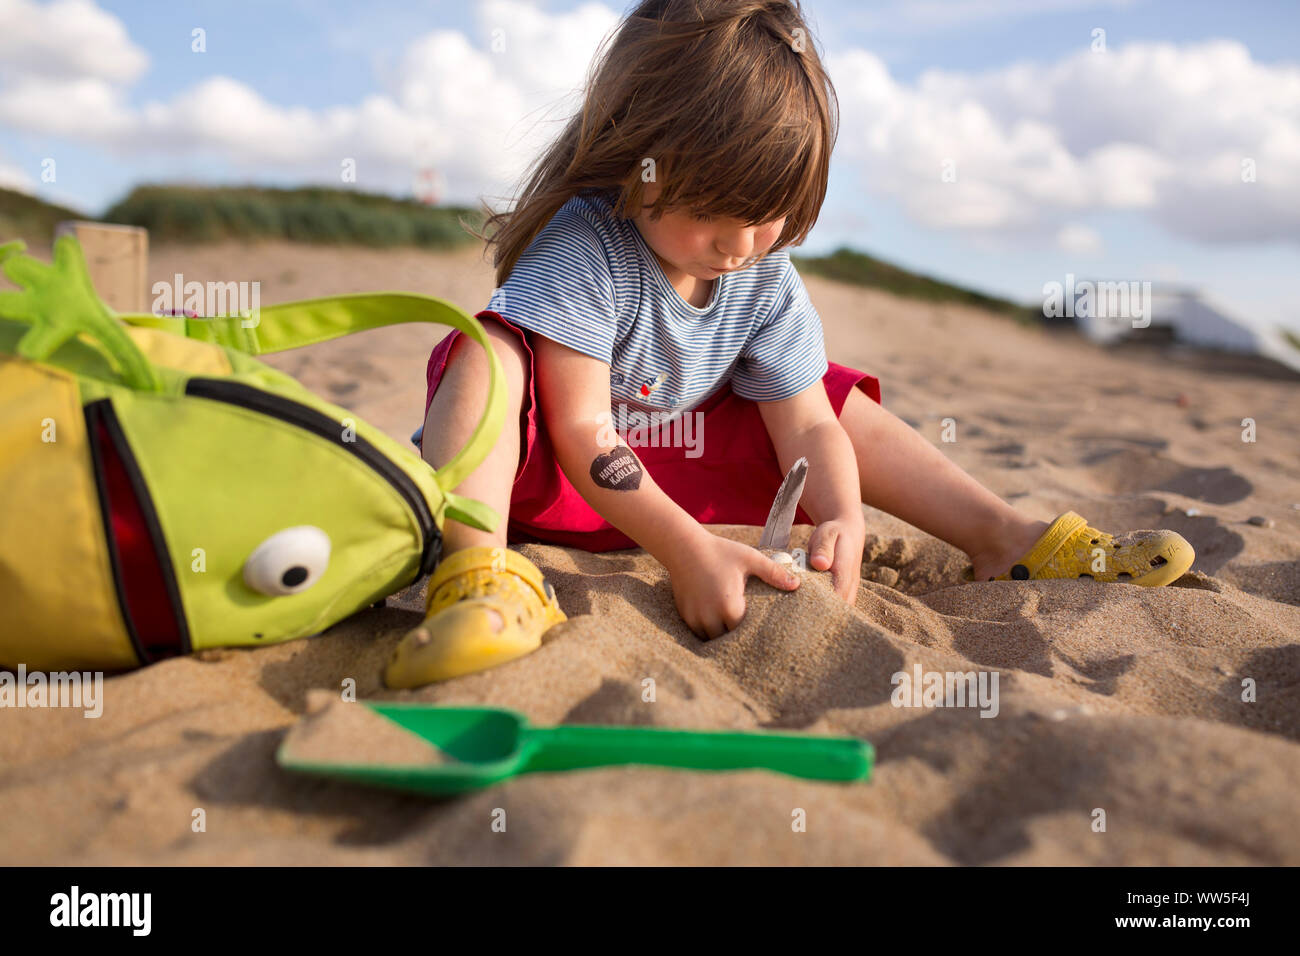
{"x":589,"y":281}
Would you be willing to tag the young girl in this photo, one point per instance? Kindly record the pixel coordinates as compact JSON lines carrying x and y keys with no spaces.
{"x":643,"y":276}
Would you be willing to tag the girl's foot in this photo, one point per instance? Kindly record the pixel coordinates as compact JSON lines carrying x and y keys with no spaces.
{"x":1005,"y":549}
{"x":1071,"y":548}
{"x":486,"y":606}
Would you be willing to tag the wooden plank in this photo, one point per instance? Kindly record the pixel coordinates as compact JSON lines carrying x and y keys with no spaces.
{"x":118,"y":260}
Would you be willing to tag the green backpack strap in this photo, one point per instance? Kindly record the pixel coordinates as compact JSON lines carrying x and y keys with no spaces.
{"x":291,"y":325}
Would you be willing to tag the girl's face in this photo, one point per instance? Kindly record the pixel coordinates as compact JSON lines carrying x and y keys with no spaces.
{"x":700,"y":246}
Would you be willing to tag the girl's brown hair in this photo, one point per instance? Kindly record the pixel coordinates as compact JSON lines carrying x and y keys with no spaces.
{"x":729,"y":100}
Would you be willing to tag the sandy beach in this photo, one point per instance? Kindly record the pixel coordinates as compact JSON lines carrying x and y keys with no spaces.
{"x":1113,"y":698}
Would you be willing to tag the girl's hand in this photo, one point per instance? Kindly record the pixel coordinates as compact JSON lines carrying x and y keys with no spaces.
{"x":837,"y":546}
{"x":708,"y":578}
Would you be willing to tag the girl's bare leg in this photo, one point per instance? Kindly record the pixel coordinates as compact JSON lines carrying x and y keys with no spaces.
{"x":902,"y":473}
{"x":453,"y":413}
{"x":467,"y":632}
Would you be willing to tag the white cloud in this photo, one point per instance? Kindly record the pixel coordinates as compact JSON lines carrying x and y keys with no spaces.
{"x":80,"y":108}
{"x":478,"y":115}
{"x":929,"y":15}
{"x":1079,"y":240}
{"x":1157,"y":128}
{"x":543,"y":52}
{"x":67,"y":39}
{"x":483,"y":113}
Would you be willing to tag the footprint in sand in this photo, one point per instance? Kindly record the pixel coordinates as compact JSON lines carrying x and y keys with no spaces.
{"x":1130,"y":470}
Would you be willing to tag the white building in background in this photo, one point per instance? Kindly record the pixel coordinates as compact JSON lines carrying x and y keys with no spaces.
{"x":1192,"y":318}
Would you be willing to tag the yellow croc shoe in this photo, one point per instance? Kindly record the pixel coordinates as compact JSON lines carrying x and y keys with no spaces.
{"x":486,"y":606}
{"x":1071,"y":548}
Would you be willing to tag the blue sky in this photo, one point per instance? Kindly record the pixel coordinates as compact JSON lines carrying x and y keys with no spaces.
{"x":320,"y":52}
{"x":1113,"y":165}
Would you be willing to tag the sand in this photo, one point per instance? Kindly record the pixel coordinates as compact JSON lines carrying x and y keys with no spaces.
{"x":1121,"y":734}
{"x":341,"y":731}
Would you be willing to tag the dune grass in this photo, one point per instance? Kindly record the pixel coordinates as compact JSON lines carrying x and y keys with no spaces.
{"x":349,"y":217}
{"x":858,"y":268}
{"x":26,"y":217}
{"x":206,"y":214}
{"x":320,"y":215}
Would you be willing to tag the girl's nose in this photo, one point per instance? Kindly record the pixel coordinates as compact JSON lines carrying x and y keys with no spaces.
{"x":737,"y":244}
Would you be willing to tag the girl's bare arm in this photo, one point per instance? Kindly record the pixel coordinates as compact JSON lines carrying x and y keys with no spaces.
{"x":708,"y":572}
{"x":573,"y":391}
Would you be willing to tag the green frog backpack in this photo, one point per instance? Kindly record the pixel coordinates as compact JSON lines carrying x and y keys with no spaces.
{"x":165,"y":492}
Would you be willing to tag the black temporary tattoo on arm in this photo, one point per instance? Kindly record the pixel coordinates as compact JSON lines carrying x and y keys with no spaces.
{"x":617,"y":470}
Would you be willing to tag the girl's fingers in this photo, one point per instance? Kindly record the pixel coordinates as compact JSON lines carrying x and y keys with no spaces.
{"x":847,"y":572}
{"x":774,"y":574}
{"x":732,"y":615}
{"x":842,"y":581}
{"x":703,"y":626}
{"x":821,"y":547}
{"x":847,"y":584}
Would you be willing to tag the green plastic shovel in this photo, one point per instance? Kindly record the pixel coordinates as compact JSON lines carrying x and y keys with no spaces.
{"x":486,"y":745}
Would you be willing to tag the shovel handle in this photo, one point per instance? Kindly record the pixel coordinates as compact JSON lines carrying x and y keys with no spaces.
{"x":800,"y":755}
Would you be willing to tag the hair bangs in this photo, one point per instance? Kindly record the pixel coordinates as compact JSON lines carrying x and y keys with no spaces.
{"x":765,"y":155}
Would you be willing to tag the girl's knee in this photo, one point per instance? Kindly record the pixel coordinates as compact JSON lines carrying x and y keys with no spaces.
{"x":855,"y":408}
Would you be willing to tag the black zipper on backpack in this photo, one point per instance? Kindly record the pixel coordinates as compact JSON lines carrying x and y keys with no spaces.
{"x":310,"y":420}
